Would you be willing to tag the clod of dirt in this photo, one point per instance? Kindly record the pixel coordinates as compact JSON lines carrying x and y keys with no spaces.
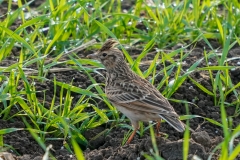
{"x":173,"y":150}
{"x":234,"y":52}
{"x":131,"y":151}
{"x":202,"y":138}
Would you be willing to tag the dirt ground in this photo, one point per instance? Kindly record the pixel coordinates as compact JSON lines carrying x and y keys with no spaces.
{"x":204,"y":138}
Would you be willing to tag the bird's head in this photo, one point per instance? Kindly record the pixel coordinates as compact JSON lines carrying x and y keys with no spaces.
{"x":108,"y":55}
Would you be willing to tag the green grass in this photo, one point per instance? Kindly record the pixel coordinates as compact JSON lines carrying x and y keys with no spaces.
{"x":58,"y":27}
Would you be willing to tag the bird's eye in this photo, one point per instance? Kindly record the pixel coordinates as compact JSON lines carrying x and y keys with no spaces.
{"x":104,"y":54}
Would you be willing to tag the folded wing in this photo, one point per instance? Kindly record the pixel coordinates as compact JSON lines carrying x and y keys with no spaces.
{"x":144,"y":97}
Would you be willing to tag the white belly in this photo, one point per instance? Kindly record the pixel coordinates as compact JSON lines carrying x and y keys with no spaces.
{"x":138,"y":115}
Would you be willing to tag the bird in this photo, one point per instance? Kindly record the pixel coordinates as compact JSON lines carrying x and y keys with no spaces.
{"x":131,"y":94}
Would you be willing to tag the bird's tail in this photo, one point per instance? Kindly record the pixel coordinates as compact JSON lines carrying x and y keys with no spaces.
{"x":174,"y":122}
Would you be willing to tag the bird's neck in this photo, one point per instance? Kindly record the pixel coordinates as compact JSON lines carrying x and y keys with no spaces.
{"x":120,"y":67}
{"x":121,"y":71}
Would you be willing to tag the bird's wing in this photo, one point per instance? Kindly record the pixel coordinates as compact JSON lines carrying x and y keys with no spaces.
{"x":139,"y":95}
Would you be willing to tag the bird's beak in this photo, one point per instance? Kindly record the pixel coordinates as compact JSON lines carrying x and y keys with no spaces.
{"x":93,"y":56}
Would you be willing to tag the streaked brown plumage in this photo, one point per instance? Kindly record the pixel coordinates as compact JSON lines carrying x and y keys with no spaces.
{"x":134,"y":96}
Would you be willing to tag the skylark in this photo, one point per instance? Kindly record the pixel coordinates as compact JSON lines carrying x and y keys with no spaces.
{"x":134,"y":96}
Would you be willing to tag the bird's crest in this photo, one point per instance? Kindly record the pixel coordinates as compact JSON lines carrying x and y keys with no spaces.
{"x":108,"y":45}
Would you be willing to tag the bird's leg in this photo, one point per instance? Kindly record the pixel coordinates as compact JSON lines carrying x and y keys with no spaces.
{"x":135,"y":125}
{"x":158,"y":128}
{"x":131,"y":137}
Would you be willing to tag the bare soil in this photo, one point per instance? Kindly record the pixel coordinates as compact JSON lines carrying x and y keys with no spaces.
{"x":204,"y":137}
